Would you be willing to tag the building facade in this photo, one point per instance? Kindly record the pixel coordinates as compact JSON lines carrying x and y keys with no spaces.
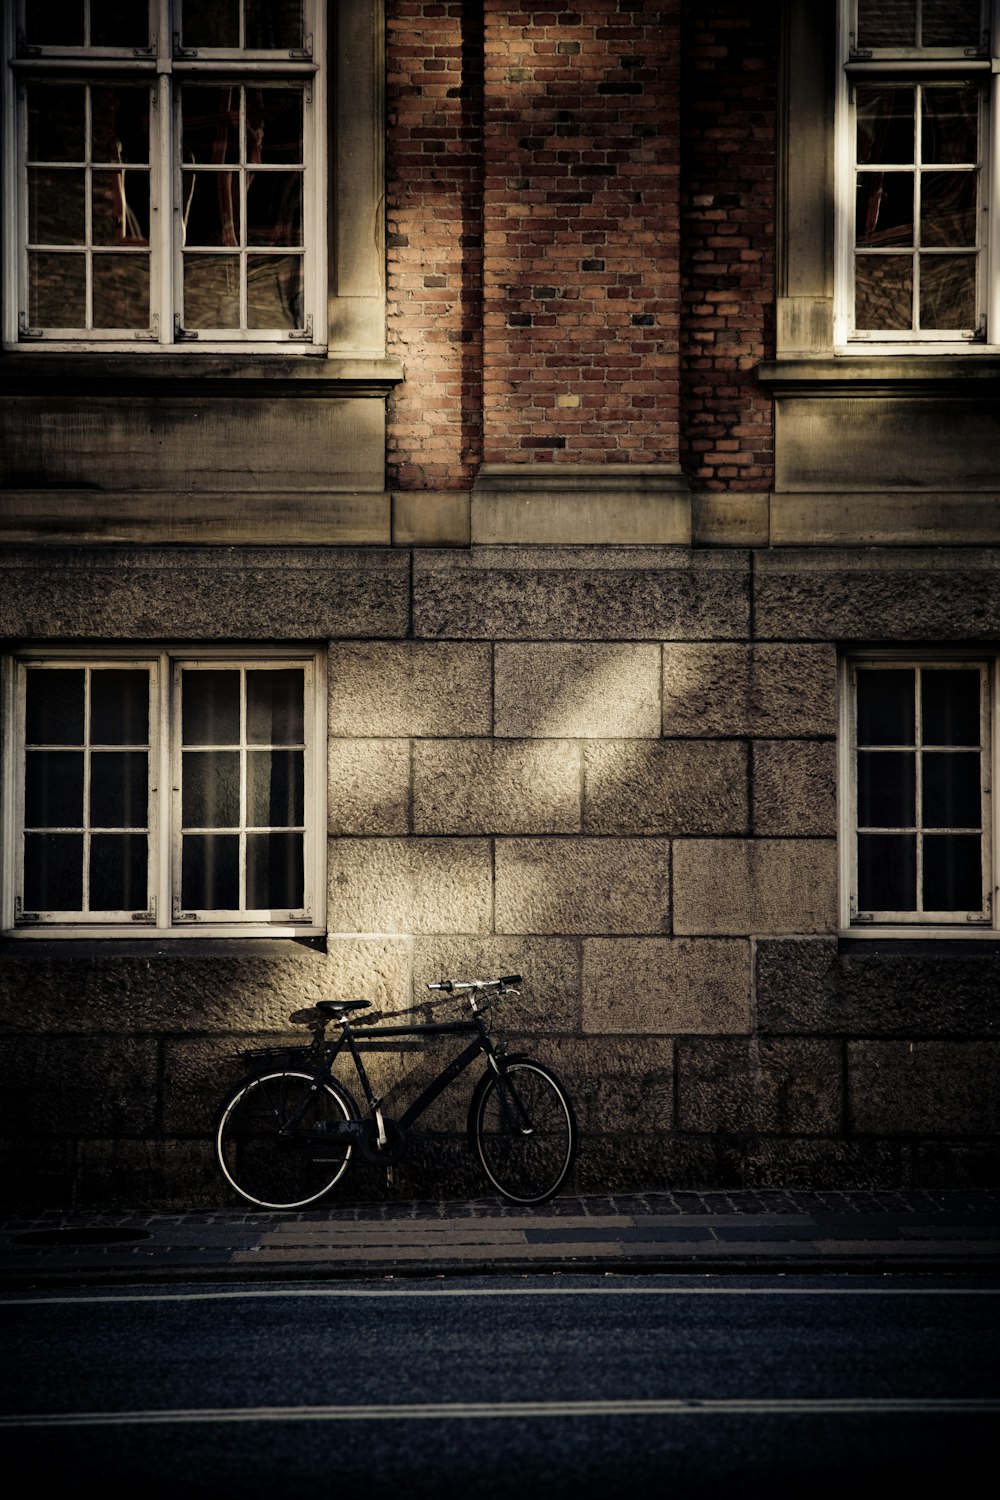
{"x":492,"y":489}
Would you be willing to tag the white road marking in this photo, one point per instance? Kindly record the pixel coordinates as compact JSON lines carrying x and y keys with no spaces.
{"x":493,"y":1410}
{"x":422,"y":1292}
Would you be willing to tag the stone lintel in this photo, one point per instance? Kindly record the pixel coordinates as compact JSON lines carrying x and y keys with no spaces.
{"x":582,"y":503}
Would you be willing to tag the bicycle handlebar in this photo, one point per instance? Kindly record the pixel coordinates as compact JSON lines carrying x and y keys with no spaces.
{"x":461,"y":986}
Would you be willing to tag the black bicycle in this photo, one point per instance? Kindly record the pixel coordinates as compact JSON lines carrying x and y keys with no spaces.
{"x":286,"y":1134}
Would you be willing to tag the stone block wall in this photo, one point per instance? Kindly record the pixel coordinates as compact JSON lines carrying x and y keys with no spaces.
{"x":611,"y":770}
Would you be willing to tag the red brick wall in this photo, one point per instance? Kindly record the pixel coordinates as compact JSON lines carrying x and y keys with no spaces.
{"x":434,"y":232}
{"x":558,"y":290}
{"x":727,"y":240}
{"x":581,"y":276}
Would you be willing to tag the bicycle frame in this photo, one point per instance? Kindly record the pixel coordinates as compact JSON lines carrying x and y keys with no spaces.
{"x":481,"y":1046}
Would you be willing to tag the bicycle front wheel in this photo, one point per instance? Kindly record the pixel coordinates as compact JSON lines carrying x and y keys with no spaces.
{"x":277,"y":1141}
{"x":524,"y":1131}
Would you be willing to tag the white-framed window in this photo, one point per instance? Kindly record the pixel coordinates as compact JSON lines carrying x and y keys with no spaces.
{"x":163,"y":174}
{"x":177,"y":790}
{"x":918,"y":163}
{"x":917,"y":774}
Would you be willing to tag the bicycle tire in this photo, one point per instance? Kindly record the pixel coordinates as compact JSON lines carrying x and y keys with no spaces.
{"x":524,"y":1165}
{"x":275,"y":1171}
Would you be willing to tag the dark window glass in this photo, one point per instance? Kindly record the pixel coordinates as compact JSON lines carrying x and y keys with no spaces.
{"x":887,"y":871}
{"x":273,"y":25}
{"x":57,"y":206}
{"x":949,"y":703}
{"x":119,"y":23}
{"x":211,"y":712}
{"x":53,"y":871}
{"x":949,"y":127}
{"x":210,"y":789}
{"x":57,"y":122}
{"x":953,"y":872}
{"x":212,"y":291}
{"x":886,"y":789}
{"x":274,"y":291}
{"x":886,"y":713}
{"x":119,"y":868}
{"x":274,"y":126}
{"x":952,"y":23}
{"x":210,"y":872}
{"x":275,"y":713}
{"x":885,"y":126}
{"x":274,"y":871}
{"x":56,"y":23}
{"x":951,"y":791}
{"x":210,"y":124}
{"x":119,"y":707}
{"x":887,"y":23}
{"x":57,"y":291}
{"x":274,"y":788}
{"x":54,"y":708}
{"x":948,"y":291}
{"x":883,"y":292}
{"x":211,"y":23}
{"x":884,"y":210}
{"x":53,"y":789}
{"x":118,"y":789}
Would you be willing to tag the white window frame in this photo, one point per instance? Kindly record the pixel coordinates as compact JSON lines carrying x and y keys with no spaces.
{"x":165,"y":70}
{"x":965,"y":925}
{"x":900,"y":65}
{"x":165,"y":919}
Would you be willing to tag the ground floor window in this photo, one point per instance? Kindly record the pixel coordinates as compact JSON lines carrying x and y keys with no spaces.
{"x":918,"y":772}
{"x":165,"y":789}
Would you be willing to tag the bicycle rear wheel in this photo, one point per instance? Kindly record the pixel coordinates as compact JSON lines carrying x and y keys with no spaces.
{"x":524,"y":1131}
{"x":276,"y":1138}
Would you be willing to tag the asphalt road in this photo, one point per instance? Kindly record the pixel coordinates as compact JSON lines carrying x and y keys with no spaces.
{"x":564,"y":1387}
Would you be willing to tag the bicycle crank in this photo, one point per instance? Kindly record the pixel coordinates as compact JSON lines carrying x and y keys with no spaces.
{"x":395,"y":1142}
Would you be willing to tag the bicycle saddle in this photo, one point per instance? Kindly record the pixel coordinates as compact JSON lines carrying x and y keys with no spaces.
{"x":337,"y":1007}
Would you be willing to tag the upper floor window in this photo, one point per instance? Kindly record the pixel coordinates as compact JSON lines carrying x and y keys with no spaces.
{"x":163,"y":173}
{"x":917,"y":249}
{"x":164,"y":789}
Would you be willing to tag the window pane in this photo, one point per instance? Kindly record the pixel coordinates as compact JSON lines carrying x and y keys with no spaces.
{"x":274,"y":291}
{"x":212,"y":291}
{"x":210,"y":789}
{"x":883,"y":292}
{"x":56,"y":128}
{"x":887,"y":871}
{"x":952,"y":23}
{"x":274,"y":871}
{"x":274,"y":126}
{"x":211,"y":712}
{"x":885,"y":125}
{"x":275,"y":788}
{"x":950,"y":126}
{"x":274,"y":25}
{"x":53,"y":871}
{"x":886,"y":789}
{"x":119,"y":791}
{"x":210,"y":124}
{"x":119,"y":125}
{"x":886,"y":707}
{"x":953,"y":873}
{"x":211,"y":23}
{"x":121,"y":291}
{"x":53,"y":789}
{"x":212,"y":209}
{"x":949,"y":208}
{"x":949,"y":706}
{"x":119,"y":23}
{"x":884,"y":209}
{"x":57,"y":207}
{"x":951,"y":791}
{"x":119,"y":707}
{"x":274,"y":208}
{"x":210,"y":872}
{"x":887,"y":23}
{"x":948,"y":291}
{"x":275,"y":707}
{"x":57,"y":23}
{"x":57,"y":291}
{"x":54,"y":707}
{"x":119,"y":867}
